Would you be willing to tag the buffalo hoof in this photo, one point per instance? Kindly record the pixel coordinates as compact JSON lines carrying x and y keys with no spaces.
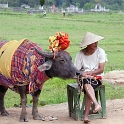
{"x":23,"y":119}
{"x":38,"y":117}
{"x":4,"y":113}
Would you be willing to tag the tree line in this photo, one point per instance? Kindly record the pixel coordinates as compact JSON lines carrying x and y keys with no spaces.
{"x":85,"y":4}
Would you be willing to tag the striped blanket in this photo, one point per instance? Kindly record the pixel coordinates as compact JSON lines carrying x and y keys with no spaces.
{"x":23,"y":71}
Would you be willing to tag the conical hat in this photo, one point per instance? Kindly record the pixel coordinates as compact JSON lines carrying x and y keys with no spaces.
{"x":90,"y":38}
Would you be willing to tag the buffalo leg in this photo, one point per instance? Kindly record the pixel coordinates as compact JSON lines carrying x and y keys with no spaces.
{"x":22,"y":92}
{"x":2,"y":94}
{"x":35,"y":114}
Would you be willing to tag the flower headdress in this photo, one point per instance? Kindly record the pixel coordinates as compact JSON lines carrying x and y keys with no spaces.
{"x":58,"y":42}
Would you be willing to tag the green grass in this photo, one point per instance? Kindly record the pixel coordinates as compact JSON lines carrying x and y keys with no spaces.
{"x":38,"y":29}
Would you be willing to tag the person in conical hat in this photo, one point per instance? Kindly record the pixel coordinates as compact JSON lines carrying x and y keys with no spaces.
{"x":90,"y":38}
{"x":91,"y":61}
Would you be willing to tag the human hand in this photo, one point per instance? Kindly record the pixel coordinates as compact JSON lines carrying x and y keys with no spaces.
{"x":87,"y":74}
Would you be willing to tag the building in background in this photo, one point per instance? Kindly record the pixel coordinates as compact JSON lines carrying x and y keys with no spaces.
{"x":4,"y":5}
{"x":98,"y":8}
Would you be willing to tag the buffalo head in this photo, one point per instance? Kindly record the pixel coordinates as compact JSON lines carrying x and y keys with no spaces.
{"x":61,"y":66}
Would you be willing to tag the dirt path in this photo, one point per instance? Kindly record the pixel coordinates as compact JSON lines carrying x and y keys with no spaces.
{"x":115,"y":114}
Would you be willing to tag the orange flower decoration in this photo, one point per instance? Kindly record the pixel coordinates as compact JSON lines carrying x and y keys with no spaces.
{"x":63,"y":40}
{"x":59,"y":42}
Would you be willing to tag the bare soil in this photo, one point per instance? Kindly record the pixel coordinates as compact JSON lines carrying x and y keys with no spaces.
{"x":115,"y":114}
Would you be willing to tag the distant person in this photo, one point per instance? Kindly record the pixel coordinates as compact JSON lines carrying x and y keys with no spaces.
{"x":29,"y":12}
{"x":63,"y":13}
{"x":44,"y":13}
{"x":91,"y":61}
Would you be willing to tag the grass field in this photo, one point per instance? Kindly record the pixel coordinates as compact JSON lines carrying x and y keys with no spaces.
{"x":38,"y":29}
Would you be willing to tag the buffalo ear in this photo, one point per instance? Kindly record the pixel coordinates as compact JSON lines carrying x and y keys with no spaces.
{"x":46,"y":66}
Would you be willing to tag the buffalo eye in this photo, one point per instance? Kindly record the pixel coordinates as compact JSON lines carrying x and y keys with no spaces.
{"x":62,"y":61}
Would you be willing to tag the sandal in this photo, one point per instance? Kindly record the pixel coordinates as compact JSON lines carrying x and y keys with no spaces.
{"x":51,"y":118}
{"x":43,"y":118}
{"x":86,"y":121}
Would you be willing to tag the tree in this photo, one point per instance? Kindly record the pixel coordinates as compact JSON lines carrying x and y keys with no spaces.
{"x":15,"y":3}
{"x":89,"y":6}
{"x":77,"y":4}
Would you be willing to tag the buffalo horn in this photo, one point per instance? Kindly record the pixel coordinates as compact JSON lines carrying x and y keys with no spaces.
{"x":45,"y":54}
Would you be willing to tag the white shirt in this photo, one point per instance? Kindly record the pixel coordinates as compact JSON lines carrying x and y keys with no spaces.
{"x":90,"y":62}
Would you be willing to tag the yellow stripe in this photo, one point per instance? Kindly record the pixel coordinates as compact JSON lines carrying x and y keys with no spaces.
{"x":6,"y":57}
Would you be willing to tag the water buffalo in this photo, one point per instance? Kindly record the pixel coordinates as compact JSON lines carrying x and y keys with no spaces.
{"x":28,"y":70}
